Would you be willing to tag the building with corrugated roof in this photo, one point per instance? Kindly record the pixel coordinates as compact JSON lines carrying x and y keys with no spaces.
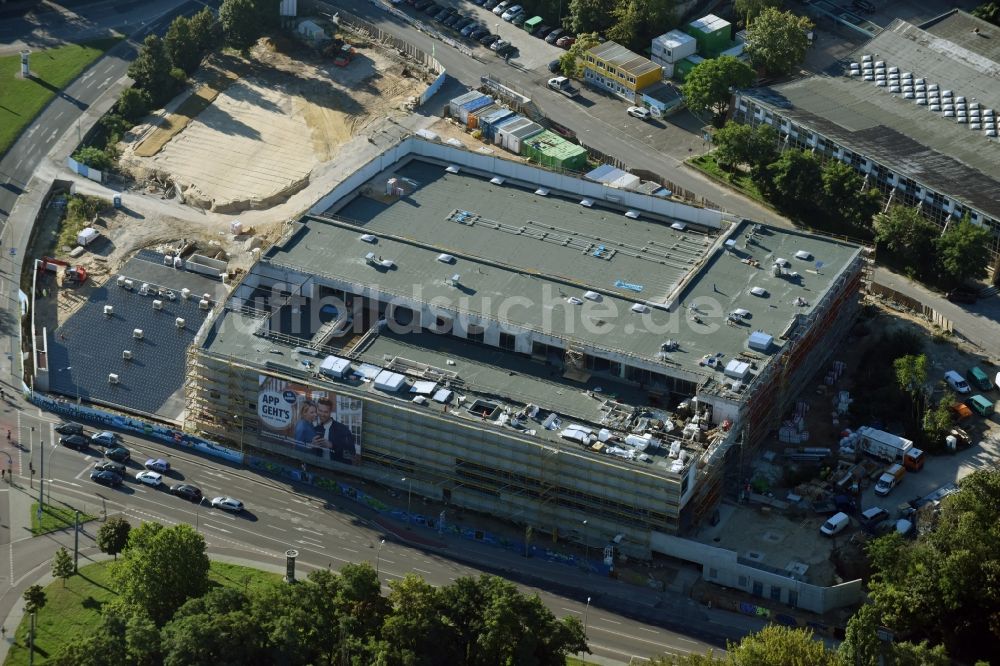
{"x":915,"y":110}
{"x":613,"y":67}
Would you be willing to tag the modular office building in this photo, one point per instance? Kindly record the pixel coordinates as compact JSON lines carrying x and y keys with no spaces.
{"x":522,"y":343}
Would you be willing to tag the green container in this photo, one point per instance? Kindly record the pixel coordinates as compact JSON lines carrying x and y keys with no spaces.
{"x":979,"y":379}
{"x":712,"y":33}
{"x":532,"y":24}
{"x":551,"y":150}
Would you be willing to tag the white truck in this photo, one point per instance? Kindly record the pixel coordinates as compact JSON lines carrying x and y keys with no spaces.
{"x":890,"y":448}
{"x":563,"y":85}
{"x":889,"y":479}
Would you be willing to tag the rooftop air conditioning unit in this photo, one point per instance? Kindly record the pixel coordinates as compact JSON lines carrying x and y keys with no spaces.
{"x":138,"y":334}
{"x":144,"y":289}
{"x":455,"y":279}
{"x":120,"y":281}
{"x":168,"y":260}
{"x":207,"y":297}
{"x":126,"y":354}
{"x":157,"y":304}
{"x":113,"y":378}
{"x":109,"y":310}
{"x":180,"y":322}
{"x":128,"y":284}
{"x":203,"y":304}
{"x":185,"y":293}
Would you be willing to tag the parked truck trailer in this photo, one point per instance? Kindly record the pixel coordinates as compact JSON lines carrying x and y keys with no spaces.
{"x":891,"y":448}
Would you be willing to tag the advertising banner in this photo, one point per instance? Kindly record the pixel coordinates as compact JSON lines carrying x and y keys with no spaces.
{"x":318,"y":422}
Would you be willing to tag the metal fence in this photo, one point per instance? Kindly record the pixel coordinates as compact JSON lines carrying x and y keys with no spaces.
{"x":899,"y":300}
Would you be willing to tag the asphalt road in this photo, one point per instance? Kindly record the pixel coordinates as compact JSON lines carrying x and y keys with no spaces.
{"x":328,"y":531}
{"x":59,"y":116}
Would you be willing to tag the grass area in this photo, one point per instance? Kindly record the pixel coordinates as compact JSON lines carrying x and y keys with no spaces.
{"x":197,"y":102}
{"x":55,"y":517}
{"x":739,"y":180}
{"x":73,"y":611}
{"x":53,"y":69}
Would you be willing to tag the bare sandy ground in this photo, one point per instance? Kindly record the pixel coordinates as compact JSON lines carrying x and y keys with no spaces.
{"x":260,"y":140}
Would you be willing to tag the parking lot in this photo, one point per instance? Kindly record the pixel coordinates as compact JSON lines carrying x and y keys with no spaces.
{"x":531,"y":52}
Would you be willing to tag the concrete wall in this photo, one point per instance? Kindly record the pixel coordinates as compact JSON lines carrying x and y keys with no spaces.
{"x":722,"y":567}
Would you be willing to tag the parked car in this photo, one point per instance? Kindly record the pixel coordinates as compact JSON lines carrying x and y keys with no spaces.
{"x":512,"y":12}
{"x":110,"y":466}
{"x":639,"y":112}
{"x":443,"y":14}
{"x":502,"y":7}
{"x":566,"y":41}
{"x":149,"y":478}
{"x":421,"y":5}
{"x":227,"y":504}
{"x":542,"y":31}
{"x":470,"y":28}
{"x":957,"y":382}
{"x":432,"y":8}
{"x":495,"y":46}
{"x":77,"y":442}
{"x":490,"y":4}
{"x":118,"y":454}
{"x":506,"y":50}
{"x":871,"y":517}
{"x":489,"y":40}
{"x":479,"y":33}
{"x":837,"y":523}
{"x":69,"y":428}
{"x":555,"y":67}
{"x":104,"y":438}
{"x":157,"y":465}
{"x":463,"y":24}
{"x":519,"y":19}
{"x":963,"y":295}
{"x":106,"y":478}
{"x":187,"y":491}
{"x":554,"y":35}
{"x":453,"y":20}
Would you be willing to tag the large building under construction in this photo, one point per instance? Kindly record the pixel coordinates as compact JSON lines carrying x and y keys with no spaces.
{"x":522,"y":343}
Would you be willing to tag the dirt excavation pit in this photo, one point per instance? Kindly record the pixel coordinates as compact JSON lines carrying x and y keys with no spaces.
{"x":289,"y":112}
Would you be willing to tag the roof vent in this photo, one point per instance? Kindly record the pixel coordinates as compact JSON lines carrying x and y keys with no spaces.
{"x":157,"y":304}
{"x":496,"y":180}
{"x":678,"y":226}
{"x":587,"y":203}
{"x":113,"y":378}
{"x":632,"y":214}
{"x":803,"y":255}
{"x":179,"y":322}
{"x":452,"y":169}
{"x":573,"y":300}
{"x":126,"y":355}
{"x":542,"y":192}
{"x":138,"y":334}
{"x":592,"y":296}
{"x":446,"y":258}
{"x":640,"y":308}
{"x":203,"y":304}
{"x":369,"y":238}
{"x":759,"y":291}
{"x":455,"y":279}
{"x":109,"y":310}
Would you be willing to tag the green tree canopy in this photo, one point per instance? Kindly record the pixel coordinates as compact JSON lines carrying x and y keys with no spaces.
{"x":206,"y":31}
{"x":151,"y":70}
{"x":112,"y":537}
{"x":709,"y":86}
{"x":161,"y":569}
{"x":777,"y":41}
{"x":989,"y":12}
{"x":748,"y":10}
{"x":244,"y":21}
{"x":62,"y":565}
{"x":34,"y":599}
{"x":847,"y":201}
{"x":637,"y":22}
{"x":737,"y":144}
{"x":571,"y":62}
{"x":181,"y":45}
{"x":795,"y":178}
{"x":133,"y":104}
{"x":963,"y":252}
{"x":590,"y":15}
{"x":909,"y":237}
{"x":214,"y":629}
{"x":940,"y":588}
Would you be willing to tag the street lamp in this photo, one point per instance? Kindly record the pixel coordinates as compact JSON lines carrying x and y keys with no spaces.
{"x":586,"y":611}
{"x":409,"y":498}
{"x":378,"y":559}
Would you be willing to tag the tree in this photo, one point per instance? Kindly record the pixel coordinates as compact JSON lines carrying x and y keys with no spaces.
{"x":94,"y":157}
{"x":709,"y":85}
{"x":590,"y":15}
{"x":781,"y":645}
{"x":989,"y":12}
{"x":161,"y":568}
{"x":963,"y":252}
{"x":909,"y":237}
{"x":922,"y":590}
{"x":794,"y":179}
{"x":181,"y":45}
{"x":777,"y":42}
{"x":241,"y":23}
{"x":737,"y":144}
{"x":911,"y":377}
{"x":638,"y":21}
{"x":151,"y":70}
{"x":142,"y":640}
{"x":937,"y":423}
{"x":848,"y":201}
{"x":62,"y":565}
{"x":417,"y":630}
{"x":205,"y":31}
{"x":748,"y":10}
{"x":569,"y":62}
{"x":113,"y":536}
{"x":863,"y":647}
{"x":133,"y":104}
{"x":214,"y":629}
{"x":34,"y":599}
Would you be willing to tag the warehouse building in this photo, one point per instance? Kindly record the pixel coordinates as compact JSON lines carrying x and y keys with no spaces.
{"x":915,"y":110}
{"x":522,"y":343}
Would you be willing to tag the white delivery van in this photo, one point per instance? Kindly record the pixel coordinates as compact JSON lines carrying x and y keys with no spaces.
{"x":957,"y":382}
{"x":838,"y":523}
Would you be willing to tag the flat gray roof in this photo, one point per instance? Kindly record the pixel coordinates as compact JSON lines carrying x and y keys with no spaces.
{"x":910,"y":139}
{"x":526,"y":280}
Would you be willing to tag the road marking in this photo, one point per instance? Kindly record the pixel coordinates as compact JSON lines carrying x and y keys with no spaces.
{"x":275,"y":527}
{"x":18,"y":165}
{"x":387,"y":561}
{"x":423,"y":571}
{"x":652,"y":631}
{"x":314,"y":545}
{"x":60,"y":115}
{"x":139,"y":490}
{"x":388,"y":573}
{"x":604,"y":619}
{"x":639,"y":638}
{"x":52,"y":136}
{"x":571,"y":610}
{"x":350,"y":550}
{"x":215,"y":527}
{"x":297,"y":512}
{"x":306,"y":529}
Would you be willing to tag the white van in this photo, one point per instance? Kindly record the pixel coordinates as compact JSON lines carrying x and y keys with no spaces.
{"x":957,"y":382}
{"x":838,"y":523}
